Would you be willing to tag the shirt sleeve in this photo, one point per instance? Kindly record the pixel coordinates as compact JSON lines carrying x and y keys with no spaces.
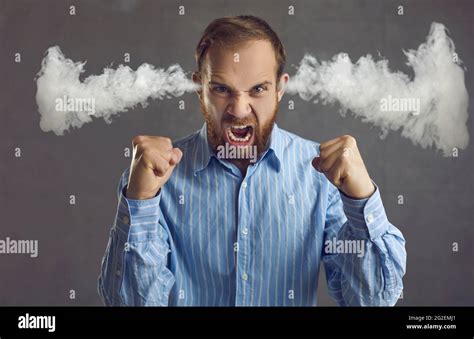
{"x":371,"y":276}
{"x":134,"y":268}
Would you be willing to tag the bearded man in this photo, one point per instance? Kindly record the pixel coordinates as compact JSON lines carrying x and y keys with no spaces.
{"x":241,"y":212}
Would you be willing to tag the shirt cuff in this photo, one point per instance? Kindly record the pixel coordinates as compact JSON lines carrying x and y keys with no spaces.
{"x":137,"y":220}
{"x":367,"y":217}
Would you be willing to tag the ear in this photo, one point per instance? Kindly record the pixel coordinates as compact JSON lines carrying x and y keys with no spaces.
{"x":282,"y":85}
{"x":198,"y":81}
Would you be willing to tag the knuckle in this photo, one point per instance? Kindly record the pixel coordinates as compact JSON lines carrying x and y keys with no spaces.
{"x":160,"y":172}
{"x":346,"y":152}
{"x":165,"y":140}
{"x":349,"y":139}
{"x":138,"y":140}
{"x":147,"y":155}
{"x":162,"y":169}
{"x":164,"y":143}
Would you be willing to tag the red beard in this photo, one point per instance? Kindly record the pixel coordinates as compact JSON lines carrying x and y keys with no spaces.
{"x":215,"y":132}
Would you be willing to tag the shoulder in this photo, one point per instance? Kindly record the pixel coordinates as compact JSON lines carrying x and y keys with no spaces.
{"x":298,"y":154}
{"x":187,"y":142}
{"x":294,"y":143}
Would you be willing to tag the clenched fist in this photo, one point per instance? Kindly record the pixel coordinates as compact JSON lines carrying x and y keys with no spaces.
{"x":340,"y":161}
{"x":154,"y":159}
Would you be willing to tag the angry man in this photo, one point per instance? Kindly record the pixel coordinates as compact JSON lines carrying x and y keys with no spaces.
{"x":241,"y":212}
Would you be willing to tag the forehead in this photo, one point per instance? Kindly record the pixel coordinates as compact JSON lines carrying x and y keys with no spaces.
{"x":244,"y":64}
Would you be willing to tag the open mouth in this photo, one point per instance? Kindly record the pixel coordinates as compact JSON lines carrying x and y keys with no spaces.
{"x":239,"y":135}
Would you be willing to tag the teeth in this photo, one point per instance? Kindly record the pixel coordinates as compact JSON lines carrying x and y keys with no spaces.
{"x":236,"y":138}
{"x":239,"y":126}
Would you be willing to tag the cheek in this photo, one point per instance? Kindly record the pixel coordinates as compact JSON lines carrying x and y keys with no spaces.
{"x":265,"y":108}
{"x":213,"y":107}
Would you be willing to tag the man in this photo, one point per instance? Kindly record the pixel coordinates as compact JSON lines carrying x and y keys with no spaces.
{"x":242,"y":212}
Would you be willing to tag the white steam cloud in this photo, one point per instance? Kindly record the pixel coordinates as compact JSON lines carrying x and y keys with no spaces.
{"x":430,"y":109}
{"x":65,"y":101}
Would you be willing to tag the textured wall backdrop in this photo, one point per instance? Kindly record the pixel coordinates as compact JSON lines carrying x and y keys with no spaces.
{"x":36,"y":186}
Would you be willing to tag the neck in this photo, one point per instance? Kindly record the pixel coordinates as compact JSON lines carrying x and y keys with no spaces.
{"x":242,"y":165}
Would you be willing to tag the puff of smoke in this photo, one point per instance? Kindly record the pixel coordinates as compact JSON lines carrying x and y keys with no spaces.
{"x":438,"y":86}
{"x":113,"y":91}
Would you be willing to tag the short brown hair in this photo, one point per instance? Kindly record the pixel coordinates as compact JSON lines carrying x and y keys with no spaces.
{"x":232,"y":30}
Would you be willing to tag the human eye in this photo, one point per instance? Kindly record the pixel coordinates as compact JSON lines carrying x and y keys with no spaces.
{"x":259,"y":89}
{"x":220,"y":89}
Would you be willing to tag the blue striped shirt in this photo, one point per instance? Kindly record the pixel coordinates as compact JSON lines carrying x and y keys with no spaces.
{"x":212,"y":237}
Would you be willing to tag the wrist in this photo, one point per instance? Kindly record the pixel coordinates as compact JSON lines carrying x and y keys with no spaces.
{"x":360,"y":193}
{"x":130,"y":194}
{"x":367,"y":193}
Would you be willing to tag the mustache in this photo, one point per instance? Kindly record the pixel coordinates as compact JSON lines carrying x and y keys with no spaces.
{"x":231,"y":120}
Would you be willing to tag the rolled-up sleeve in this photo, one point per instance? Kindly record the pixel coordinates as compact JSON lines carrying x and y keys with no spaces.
{"x":372,"y":276}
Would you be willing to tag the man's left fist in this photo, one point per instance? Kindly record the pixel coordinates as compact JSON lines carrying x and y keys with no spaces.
{"x":340,"y":161}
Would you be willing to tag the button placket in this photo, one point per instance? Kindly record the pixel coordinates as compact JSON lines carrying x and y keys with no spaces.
{"x":242,"y":261}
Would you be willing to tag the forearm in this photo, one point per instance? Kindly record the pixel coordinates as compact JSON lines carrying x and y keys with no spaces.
{"x":134,"y":269}
{"x":373,"y":277}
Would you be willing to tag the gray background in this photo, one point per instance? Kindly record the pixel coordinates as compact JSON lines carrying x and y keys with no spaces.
{"x":35,"y":189}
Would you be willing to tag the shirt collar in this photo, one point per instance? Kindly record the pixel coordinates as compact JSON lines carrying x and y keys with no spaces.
{"x":204,"y":153}
{"x":276,"y":147}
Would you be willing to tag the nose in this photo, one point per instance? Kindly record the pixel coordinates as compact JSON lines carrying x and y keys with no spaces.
{"x":239,"y":107}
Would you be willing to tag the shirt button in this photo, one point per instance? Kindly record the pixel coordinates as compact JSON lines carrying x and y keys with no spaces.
{"x":126,"y":220}
{"x":118,"y":272}
{"x":245,"y":277}
{"x":370,"y":218}
{"x":244,"y":184}
{"x":245,"y":231}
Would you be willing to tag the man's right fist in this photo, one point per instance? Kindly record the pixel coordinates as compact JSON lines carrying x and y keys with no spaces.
{"x":154,"y":159}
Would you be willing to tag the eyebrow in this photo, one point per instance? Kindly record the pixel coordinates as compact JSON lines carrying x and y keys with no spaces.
{"x":266,"y":82}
